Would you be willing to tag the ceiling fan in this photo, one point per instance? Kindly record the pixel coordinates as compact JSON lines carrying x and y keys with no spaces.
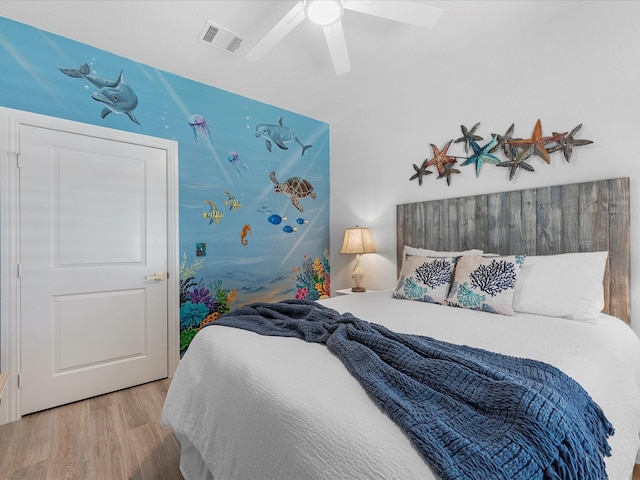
{"x":328,"y":14}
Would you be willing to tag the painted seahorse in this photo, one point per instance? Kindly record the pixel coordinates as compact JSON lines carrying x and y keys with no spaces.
{"x":246,"y":229}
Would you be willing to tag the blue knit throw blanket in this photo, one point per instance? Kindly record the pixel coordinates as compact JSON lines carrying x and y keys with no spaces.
{"x":471,"y":413}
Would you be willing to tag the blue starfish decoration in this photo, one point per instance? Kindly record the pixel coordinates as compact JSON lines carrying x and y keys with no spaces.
{"x":481,"y":154}
{"x":468,"y":136}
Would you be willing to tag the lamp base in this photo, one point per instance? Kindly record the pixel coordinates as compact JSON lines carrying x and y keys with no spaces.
{"x":358,"y":289}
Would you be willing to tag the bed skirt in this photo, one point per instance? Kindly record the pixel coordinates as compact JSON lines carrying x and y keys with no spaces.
{"x":192,"y":465}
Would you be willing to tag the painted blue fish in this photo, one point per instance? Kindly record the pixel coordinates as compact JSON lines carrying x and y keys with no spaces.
{"x":301,"y":221}
{"x":116,"y":95}
{"x":276,"y":219}
{"x":289,"y":229}
{"x":280,"y":135}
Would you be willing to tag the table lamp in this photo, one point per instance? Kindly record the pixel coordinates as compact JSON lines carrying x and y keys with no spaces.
{"x":357,"y":240}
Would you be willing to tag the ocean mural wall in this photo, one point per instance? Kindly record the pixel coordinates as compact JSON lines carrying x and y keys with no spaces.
{"x":253,"y":178}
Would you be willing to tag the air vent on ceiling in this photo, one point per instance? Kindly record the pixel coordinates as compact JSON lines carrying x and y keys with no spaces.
{"x":220,"y":38}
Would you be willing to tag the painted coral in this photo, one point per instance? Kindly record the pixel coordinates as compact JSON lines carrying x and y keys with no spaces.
{"x":201,"y":302}
{"x":313,"y":281}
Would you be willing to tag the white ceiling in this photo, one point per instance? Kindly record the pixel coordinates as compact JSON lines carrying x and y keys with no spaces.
{"x":297,"y":74}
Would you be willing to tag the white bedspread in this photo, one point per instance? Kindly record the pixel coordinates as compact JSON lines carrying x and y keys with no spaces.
{"x":258,"y":407}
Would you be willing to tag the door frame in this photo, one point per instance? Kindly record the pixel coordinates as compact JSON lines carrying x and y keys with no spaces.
{"x":10,"y":360}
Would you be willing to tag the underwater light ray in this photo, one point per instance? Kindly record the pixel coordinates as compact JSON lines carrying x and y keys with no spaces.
{"x":183,"y":108}
{"x":319,"y":133}
{"x":203,"y":186}
{"x":13,"y":53}
{"x":144,"y":72}
{"x":294,"y":158}
{"x":220,"y":164}
{"x":288,"y":164}
{"x":266,"y":190}
{"x":304,"y":234}
{"x":172,"y":93}
{"x":54,"y":46}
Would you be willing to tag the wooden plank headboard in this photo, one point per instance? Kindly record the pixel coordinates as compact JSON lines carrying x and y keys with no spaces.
{"x":580,"y":217}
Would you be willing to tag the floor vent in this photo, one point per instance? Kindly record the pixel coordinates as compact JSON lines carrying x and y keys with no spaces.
{"x":220,"y":38}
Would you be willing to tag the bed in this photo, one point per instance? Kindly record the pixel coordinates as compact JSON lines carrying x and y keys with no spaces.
{"x":248,"y":406}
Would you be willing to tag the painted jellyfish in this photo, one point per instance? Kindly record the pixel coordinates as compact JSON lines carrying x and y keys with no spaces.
{"x":238,"y":164}
{"x":201,"y":131}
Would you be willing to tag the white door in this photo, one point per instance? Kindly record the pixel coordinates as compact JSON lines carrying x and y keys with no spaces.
{"x":93,"y":262}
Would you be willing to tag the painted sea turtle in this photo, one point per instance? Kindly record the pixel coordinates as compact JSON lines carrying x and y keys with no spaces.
{"x":295,"y":187}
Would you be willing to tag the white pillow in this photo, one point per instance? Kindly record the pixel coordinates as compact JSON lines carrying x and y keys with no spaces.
{"x":567,"y":285}
{"x":434,"y":253}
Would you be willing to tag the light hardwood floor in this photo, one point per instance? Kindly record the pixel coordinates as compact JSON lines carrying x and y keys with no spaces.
{"x":112,"y":437}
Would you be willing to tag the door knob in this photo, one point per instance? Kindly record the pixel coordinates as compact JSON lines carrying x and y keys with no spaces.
{"x":158,"y":276}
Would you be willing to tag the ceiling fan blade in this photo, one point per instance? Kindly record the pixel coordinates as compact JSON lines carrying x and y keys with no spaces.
{"x":404,"y":11}
{"x":278,"y":32}
{"x":337,"y":47}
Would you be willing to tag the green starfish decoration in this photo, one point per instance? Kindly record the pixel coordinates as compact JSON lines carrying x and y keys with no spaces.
{"x":420,"y":171}
{"x":517,"y":160}
{"x":481,"y":154}
{"x":538,"y":142}
{"x":448,"y":170}
{"x":440,"y":158}
{"x":502,"y":140}
{"x":468,"y":135}
{"x":567,"y":143}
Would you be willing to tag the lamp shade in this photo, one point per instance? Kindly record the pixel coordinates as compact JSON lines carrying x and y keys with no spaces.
{"x":357,"y":240}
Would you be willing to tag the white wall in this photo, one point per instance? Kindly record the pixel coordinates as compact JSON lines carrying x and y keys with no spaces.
{"x":582,"y":65}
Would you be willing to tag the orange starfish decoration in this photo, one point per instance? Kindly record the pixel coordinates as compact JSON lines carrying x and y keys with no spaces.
{"x":538,"y":142}
{"x":440,"y":158}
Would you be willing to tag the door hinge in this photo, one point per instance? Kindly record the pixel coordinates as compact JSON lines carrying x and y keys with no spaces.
{"x":19,"y":271}
{"x":19,"y":381}
{"x":17,"y":155}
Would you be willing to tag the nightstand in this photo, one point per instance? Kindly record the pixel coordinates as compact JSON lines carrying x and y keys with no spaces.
{"x":347,"y":291}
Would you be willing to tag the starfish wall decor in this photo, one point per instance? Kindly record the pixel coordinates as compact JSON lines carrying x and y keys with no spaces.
{"x":517,"y":151}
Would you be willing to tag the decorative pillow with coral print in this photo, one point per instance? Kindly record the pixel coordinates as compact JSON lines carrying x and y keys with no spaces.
{"x":425,"y":279}
{"x":485,"y":283}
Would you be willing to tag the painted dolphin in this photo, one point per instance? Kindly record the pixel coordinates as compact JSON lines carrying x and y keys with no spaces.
{"x":280,"y":135}
{"x":116,"y":95}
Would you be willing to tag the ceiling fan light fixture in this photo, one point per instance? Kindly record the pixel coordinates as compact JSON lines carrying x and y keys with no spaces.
{"x":324,"y":12}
